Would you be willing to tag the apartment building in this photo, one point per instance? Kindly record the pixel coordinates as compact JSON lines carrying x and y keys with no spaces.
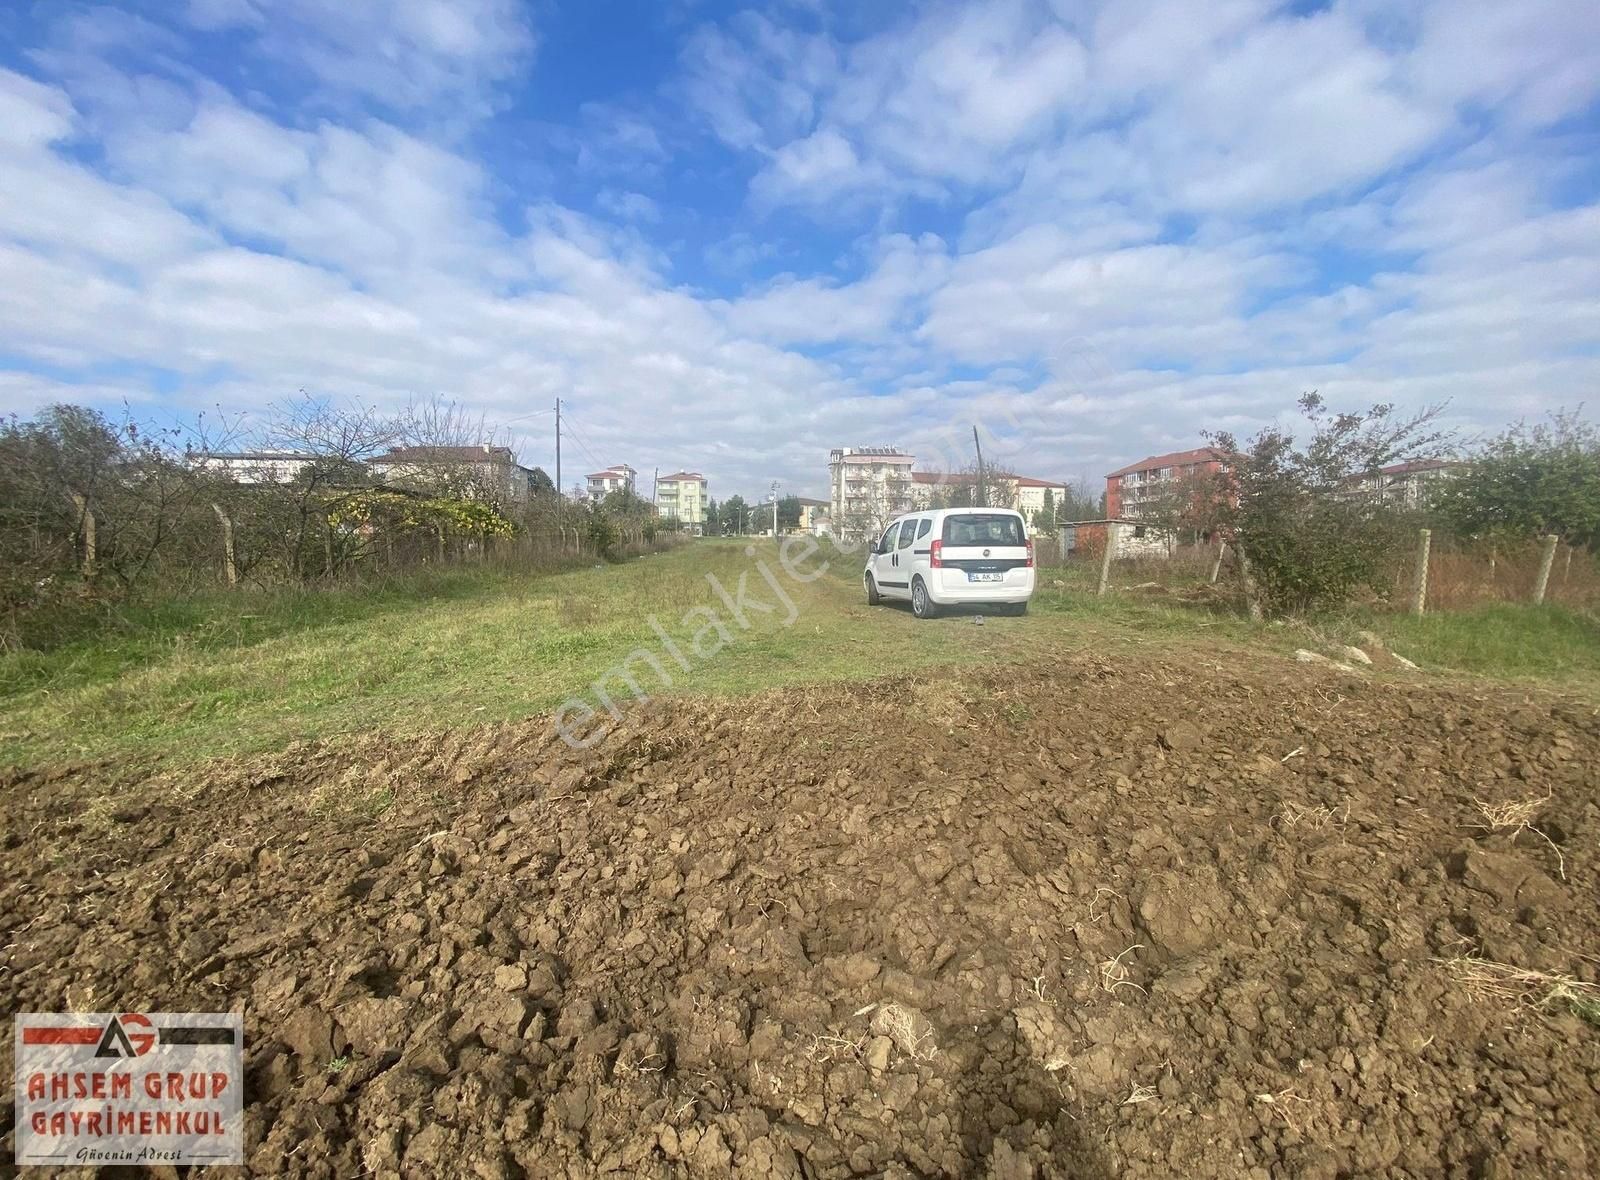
{"x":681,"y":496}
{"x":868,"y":486}
{"x":1133,"y":489}
{"x":1024,"y":493}
{"x":1034,"y":496}
{"x":612,"y":479}
{"x":255,"y":467}
{"x":1408,"y":485}
{"x":482,"y":472}
{"x":814,"y":515}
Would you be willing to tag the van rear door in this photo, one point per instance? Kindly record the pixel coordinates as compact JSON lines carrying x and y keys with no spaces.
{"x":986,"y":545}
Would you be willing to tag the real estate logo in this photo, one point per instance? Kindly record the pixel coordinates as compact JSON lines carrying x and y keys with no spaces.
{"x":129,"y":1088}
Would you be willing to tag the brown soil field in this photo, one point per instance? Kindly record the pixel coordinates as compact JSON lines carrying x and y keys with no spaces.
{"x":1195,"y":917}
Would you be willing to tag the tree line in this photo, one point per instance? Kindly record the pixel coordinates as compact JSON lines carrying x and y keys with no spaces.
{"x":1310,"y":535}
{"x":94,"y":509}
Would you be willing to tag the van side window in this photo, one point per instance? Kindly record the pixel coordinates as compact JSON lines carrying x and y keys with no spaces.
{"x":907,"y":534}
{"x":922,"y":531}
{"x":886,"y":542}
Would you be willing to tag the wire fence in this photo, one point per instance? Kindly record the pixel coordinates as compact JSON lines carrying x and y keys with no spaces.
{"x":1460,"y":574}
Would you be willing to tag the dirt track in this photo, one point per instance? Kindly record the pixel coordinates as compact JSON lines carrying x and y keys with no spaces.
{"x":1089,"y":920}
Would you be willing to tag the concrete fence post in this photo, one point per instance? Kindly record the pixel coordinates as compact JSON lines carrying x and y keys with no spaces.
{"x":86,"y":532}
{"x":1419,"y":580}
{"x":1252,"y":592}
{"x":1105,"y":558}
{"x":1546,"y":560}
{"x":1216,"y":564}
{"x":230,"y":567}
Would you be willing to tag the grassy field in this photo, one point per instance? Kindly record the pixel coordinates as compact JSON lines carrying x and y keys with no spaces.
{"x":235,"y":673}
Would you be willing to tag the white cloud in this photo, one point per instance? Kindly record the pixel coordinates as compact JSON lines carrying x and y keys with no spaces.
{"x":1118,"y":224}
{"x":1537,"y":61}
{"x":814,"y":310}
{"x":628,"y":206}
{"x":403,"y":54}
{"x":1294,"y":110}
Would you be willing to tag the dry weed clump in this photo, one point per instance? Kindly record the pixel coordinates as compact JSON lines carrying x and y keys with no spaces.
{"x":1294,"y":816}
{"x":1140,"y":1095}
{"x":1517,"y":817}
{"x":911,"y":1034}
{"x":1486,"y":981}
{"x":1114,"y":973}
{"x":827,"y":1047}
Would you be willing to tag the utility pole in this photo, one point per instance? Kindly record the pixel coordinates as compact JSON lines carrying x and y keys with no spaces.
{"x":983,"y":492}
{"x":774,"y":510}
{"x":560,"y":495}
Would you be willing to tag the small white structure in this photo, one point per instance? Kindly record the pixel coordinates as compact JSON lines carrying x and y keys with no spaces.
{"x":1133,"y":538}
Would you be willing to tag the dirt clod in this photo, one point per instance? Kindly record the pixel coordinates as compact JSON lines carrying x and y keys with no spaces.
{"x":830,"y":934}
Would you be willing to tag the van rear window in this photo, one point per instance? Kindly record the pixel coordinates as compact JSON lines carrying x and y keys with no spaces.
{"x":983,"y":529}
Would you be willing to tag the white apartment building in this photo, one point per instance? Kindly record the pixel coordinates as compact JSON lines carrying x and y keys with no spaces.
{"x":868,"y":486}
{"x":612,"y":479}
{"x":1031,"y":496}
{"x":255,"y":466}
{"x":1408,"y":485}
{"x":1021,"y":492}
{"x":681,"y":496}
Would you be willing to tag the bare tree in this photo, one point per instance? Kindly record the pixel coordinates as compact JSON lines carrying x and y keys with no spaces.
{"x":331,"y":445}
{"x":448,"y":450}
{"x":972,"y":487}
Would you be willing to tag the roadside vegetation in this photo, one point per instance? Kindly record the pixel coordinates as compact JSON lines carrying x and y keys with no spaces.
{"x":360,"y":605}
{"x":246,"y":671}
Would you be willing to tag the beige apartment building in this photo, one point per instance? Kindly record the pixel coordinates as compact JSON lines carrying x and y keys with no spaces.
{"x":867,"y":487}
{"x":681,"y":496}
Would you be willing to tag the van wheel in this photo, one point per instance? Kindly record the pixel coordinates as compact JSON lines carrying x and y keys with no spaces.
{"x":873,"y":597}
{"x":1017,"y":608}
{"x":921,"y":605}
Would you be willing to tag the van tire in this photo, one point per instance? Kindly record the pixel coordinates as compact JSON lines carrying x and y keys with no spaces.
{"x":1016,"y":608}
{"x":921,"y":604}
{"x":873,"y":597}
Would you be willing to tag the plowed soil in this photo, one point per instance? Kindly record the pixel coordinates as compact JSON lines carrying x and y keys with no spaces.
{"x":1092,"y":919}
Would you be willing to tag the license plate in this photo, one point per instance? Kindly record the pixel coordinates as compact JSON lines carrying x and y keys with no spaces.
{"x":986,"y":577}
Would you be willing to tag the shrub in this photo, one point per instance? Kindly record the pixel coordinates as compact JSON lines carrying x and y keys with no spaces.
{"x":1308,"y":536}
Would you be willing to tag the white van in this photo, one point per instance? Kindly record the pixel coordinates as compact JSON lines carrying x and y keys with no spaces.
{"x":950,"y":557}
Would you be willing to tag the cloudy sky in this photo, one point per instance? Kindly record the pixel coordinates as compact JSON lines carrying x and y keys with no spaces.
{"x":730,"y":238}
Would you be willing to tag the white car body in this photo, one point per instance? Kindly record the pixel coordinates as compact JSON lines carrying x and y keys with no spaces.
{"x":953,"y":557}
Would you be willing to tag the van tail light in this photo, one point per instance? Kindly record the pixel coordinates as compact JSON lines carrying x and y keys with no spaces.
{"x":1030,"y":552}
{"x":936,"y":556}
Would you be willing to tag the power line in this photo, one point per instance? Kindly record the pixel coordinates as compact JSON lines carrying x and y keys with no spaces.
{"x":583,"y":446}
{"x":582,"y":443}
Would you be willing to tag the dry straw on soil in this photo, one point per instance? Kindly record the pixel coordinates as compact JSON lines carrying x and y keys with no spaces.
{"x":1517,"y":817}
{"x":1525,"y":989}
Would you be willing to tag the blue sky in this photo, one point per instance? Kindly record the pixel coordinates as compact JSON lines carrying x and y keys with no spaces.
{"x":733,"y":237}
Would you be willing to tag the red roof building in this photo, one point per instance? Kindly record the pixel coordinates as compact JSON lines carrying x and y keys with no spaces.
{"x":1132,"y":488}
